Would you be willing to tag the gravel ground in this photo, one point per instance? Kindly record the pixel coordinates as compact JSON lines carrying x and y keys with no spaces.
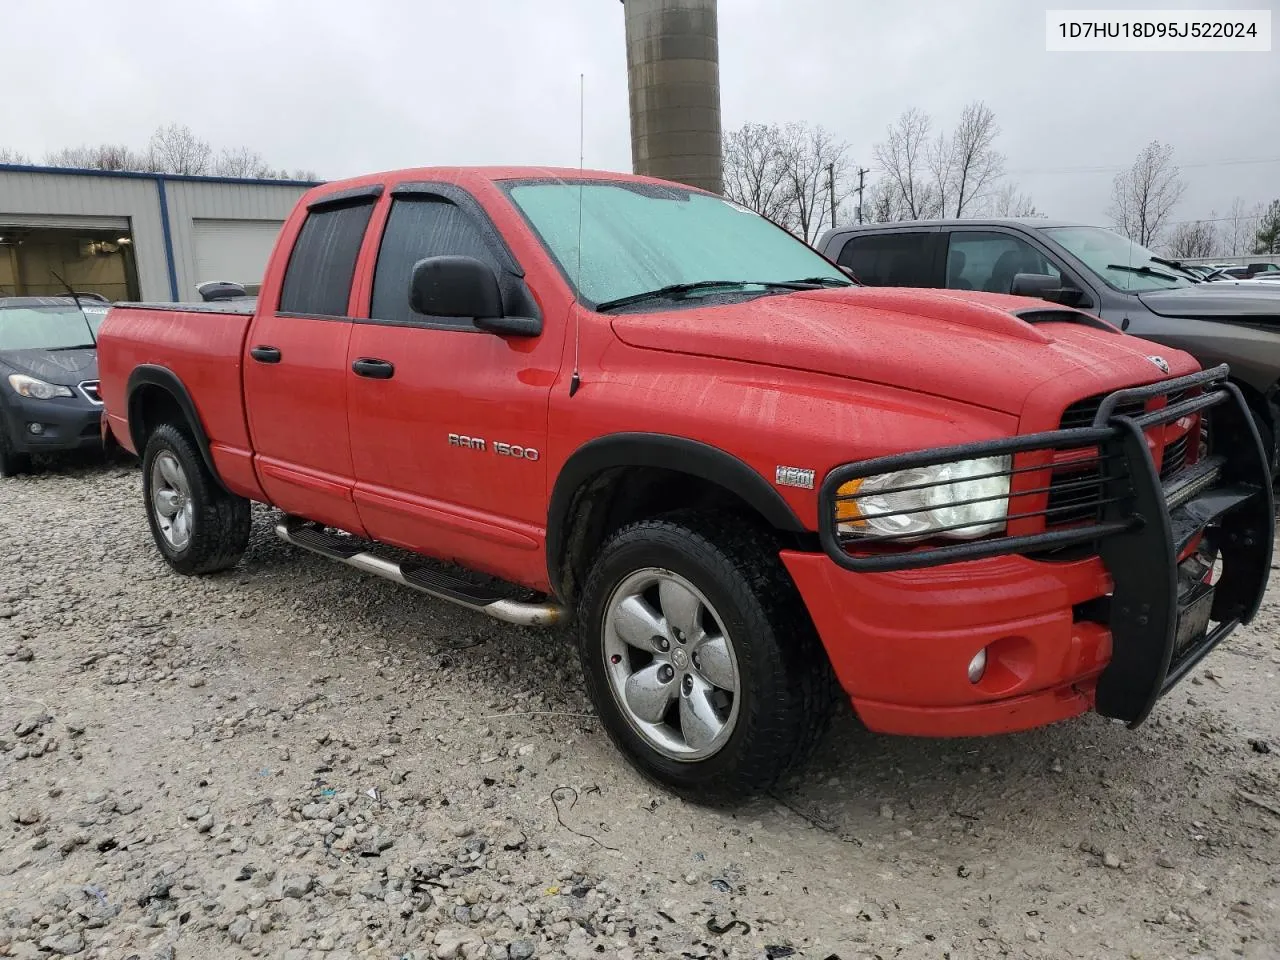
{"x":294,"y":760}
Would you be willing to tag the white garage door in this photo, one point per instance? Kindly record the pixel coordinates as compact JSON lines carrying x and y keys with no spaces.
{"x":235,"y":250}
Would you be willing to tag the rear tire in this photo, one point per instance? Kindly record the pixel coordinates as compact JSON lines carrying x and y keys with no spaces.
{"x":198,"y":526}
{"x":12,"y":463}
{"x":721,"y":684}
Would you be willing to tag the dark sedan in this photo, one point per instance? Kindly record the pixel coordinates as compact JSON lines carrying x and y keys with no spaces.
{"x":48,"y":377}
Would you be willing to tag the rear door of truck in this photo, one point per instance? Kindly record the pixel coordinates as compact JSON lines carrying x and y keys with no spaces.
{"x":295,"y":363}
{"x":906,"y":257}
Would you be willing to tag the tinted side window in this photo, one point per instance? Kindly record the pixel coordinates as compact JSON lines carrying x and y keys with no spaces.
{"x":318,"y":278}
{"x":989,"y":261}
{"x":885,"y":259}
{"x":420,"y":227}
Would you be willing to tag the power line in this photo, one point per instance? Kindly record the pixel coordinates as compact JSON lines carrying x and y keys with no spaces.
{"x":1116,"y":169}
{"x":1243,"y":219}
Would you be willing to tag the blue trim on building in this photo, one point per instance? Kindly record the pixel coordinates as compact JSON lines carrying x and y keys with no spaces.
{"x":168,"y":238}
{"x":139,"y":175}
{"x":160,"y":180}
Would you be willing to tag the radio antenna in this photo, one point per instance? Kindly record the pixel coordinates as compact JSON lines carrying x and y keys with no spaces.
{"x":576,"y":380}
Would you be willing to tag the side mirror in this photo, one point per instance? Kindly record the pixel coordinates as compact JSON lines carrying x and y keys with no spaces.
{"x":1046,"y":288}
{"x":453,"y":286}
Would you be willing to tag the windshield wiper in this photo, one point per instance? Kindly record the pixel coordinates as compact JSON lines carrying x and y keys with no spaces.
{"x":1144,"y":270}
{"x":79,"y":346}
{"x":824,"y":282}
{"x":1179,"y":266}
{"x":675,"y":291}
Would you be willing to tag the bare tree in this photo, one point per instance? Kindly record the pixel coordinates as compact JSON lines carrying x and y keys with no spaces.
{"x":1196,"y":238}
{"x":903,"y":157}
{"x":938,"y":161}
{"x":786,"y":174}
{"x":1008,"y":201}
{"x":755,"y":170}
{"x":1143,"y":196}
{"x":242,"y":163}
{"x":103,"y":156}
{"x":943,"y":174}
{"x":175,"y":149}
{"x":970,"y":161}
{"x":1241,"y":228}
{"x":10,"y":155}
{"x":883,"y":202}
{"x":815,"y":161}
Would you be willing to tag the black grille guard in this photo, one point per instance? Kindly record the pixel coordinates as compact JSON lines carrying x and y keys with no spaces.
{"x":1143,"y":525}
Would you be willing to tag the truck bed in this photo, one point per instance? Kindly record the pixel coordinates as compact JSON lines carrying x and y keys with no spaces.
{"x":244,"y":306}
{"x":202,"y":346}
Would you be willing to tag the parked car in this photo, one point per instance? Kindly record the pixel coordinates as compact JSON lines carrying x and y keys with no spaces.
{"x":48,"y":377}
{"x":1090,"y":268}
{"x":1252,"y":271}
{"x":1200,"y":270}
{"x":645,"y":407}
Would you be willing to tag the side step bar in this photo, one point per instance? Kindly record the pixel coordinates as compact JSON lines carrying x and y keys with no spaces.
{"x":420,"y":576}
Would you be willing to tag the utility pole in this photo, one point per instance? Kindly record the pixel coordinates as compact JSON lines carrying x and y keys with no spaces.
{"x":862,"y":172}
{"x":831,"y":190}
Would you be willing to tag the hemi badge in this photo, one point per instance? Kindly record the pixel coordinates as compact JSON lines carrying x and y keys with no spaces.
{"x":794,"y":477}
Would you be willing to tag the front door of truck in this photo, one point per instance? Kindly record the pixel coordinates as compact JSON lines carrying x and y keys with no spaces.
{"x":295,"y":369}
{"x":448,"y":422}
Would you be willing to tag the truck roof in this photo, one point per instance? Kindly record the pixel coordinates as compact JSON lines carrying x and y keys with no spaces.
{"x":1036,"y":222}
{"x":473,"y":174}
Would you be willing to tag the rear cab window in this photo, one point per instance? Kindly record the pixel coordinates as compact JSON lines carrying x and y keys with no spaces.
{"x":317,"y":281}
{"x":892,"y":258}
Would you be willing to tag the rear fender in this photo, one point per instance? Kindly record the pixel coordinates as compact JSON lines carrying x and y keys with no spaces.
{"x":162,"y":378}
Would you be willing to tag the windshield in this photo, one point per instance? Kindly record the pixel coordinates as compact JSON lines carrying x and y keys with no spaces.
{"x":639,"y":237}
{"x":1118,"y":260}
{"x":49,"y":327}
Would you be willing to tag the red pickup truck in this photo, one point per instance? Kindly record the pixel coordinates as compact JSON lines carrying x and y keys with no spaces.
{"x":533,"y":391}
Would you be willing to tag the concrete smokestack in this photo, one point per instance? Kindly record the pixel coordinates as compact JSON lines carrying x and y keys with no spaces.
{"x":673,"y":74}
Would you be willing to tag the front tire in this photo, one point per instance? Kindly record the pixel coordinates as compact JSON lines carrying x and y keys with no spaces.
{"x":700,"y":657}
{"x":198,"y":526}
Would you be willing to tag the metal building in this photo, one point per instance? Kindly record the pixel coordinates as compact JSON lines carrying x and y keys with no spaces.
{"x":133,"y":236}
{"x":673,"y":75}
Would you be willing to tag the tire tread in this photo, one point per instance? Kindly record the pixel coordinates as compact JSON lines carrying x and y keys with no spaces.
{"x":223,"y":521}
{"x":781,"y":736}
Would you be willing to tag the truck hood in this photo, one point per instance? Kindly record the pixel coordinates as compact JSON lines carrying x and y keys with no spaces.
{"x":67,"y":367}
{"x":1221,"y":300}
{"x":965,"y":346}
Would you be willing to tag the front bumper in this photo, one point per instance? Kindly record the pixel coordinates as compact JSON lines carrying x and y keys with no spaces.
{"x":1114,"y":629}
{"x":66,"y":423}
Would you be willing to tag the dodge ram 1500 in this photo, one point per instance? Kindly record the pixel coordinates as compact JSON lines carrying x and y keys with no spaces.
{"x":752,"y":482}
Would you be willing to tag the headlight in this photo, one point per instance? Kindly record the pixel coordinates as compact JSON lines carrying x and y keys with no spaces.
{"x":964,"y":499}
{"x":37,"y":389}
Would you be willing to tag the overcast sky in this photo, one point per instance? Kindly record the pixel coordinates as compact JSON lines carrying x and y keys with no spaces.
{"x":346,"y":87}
